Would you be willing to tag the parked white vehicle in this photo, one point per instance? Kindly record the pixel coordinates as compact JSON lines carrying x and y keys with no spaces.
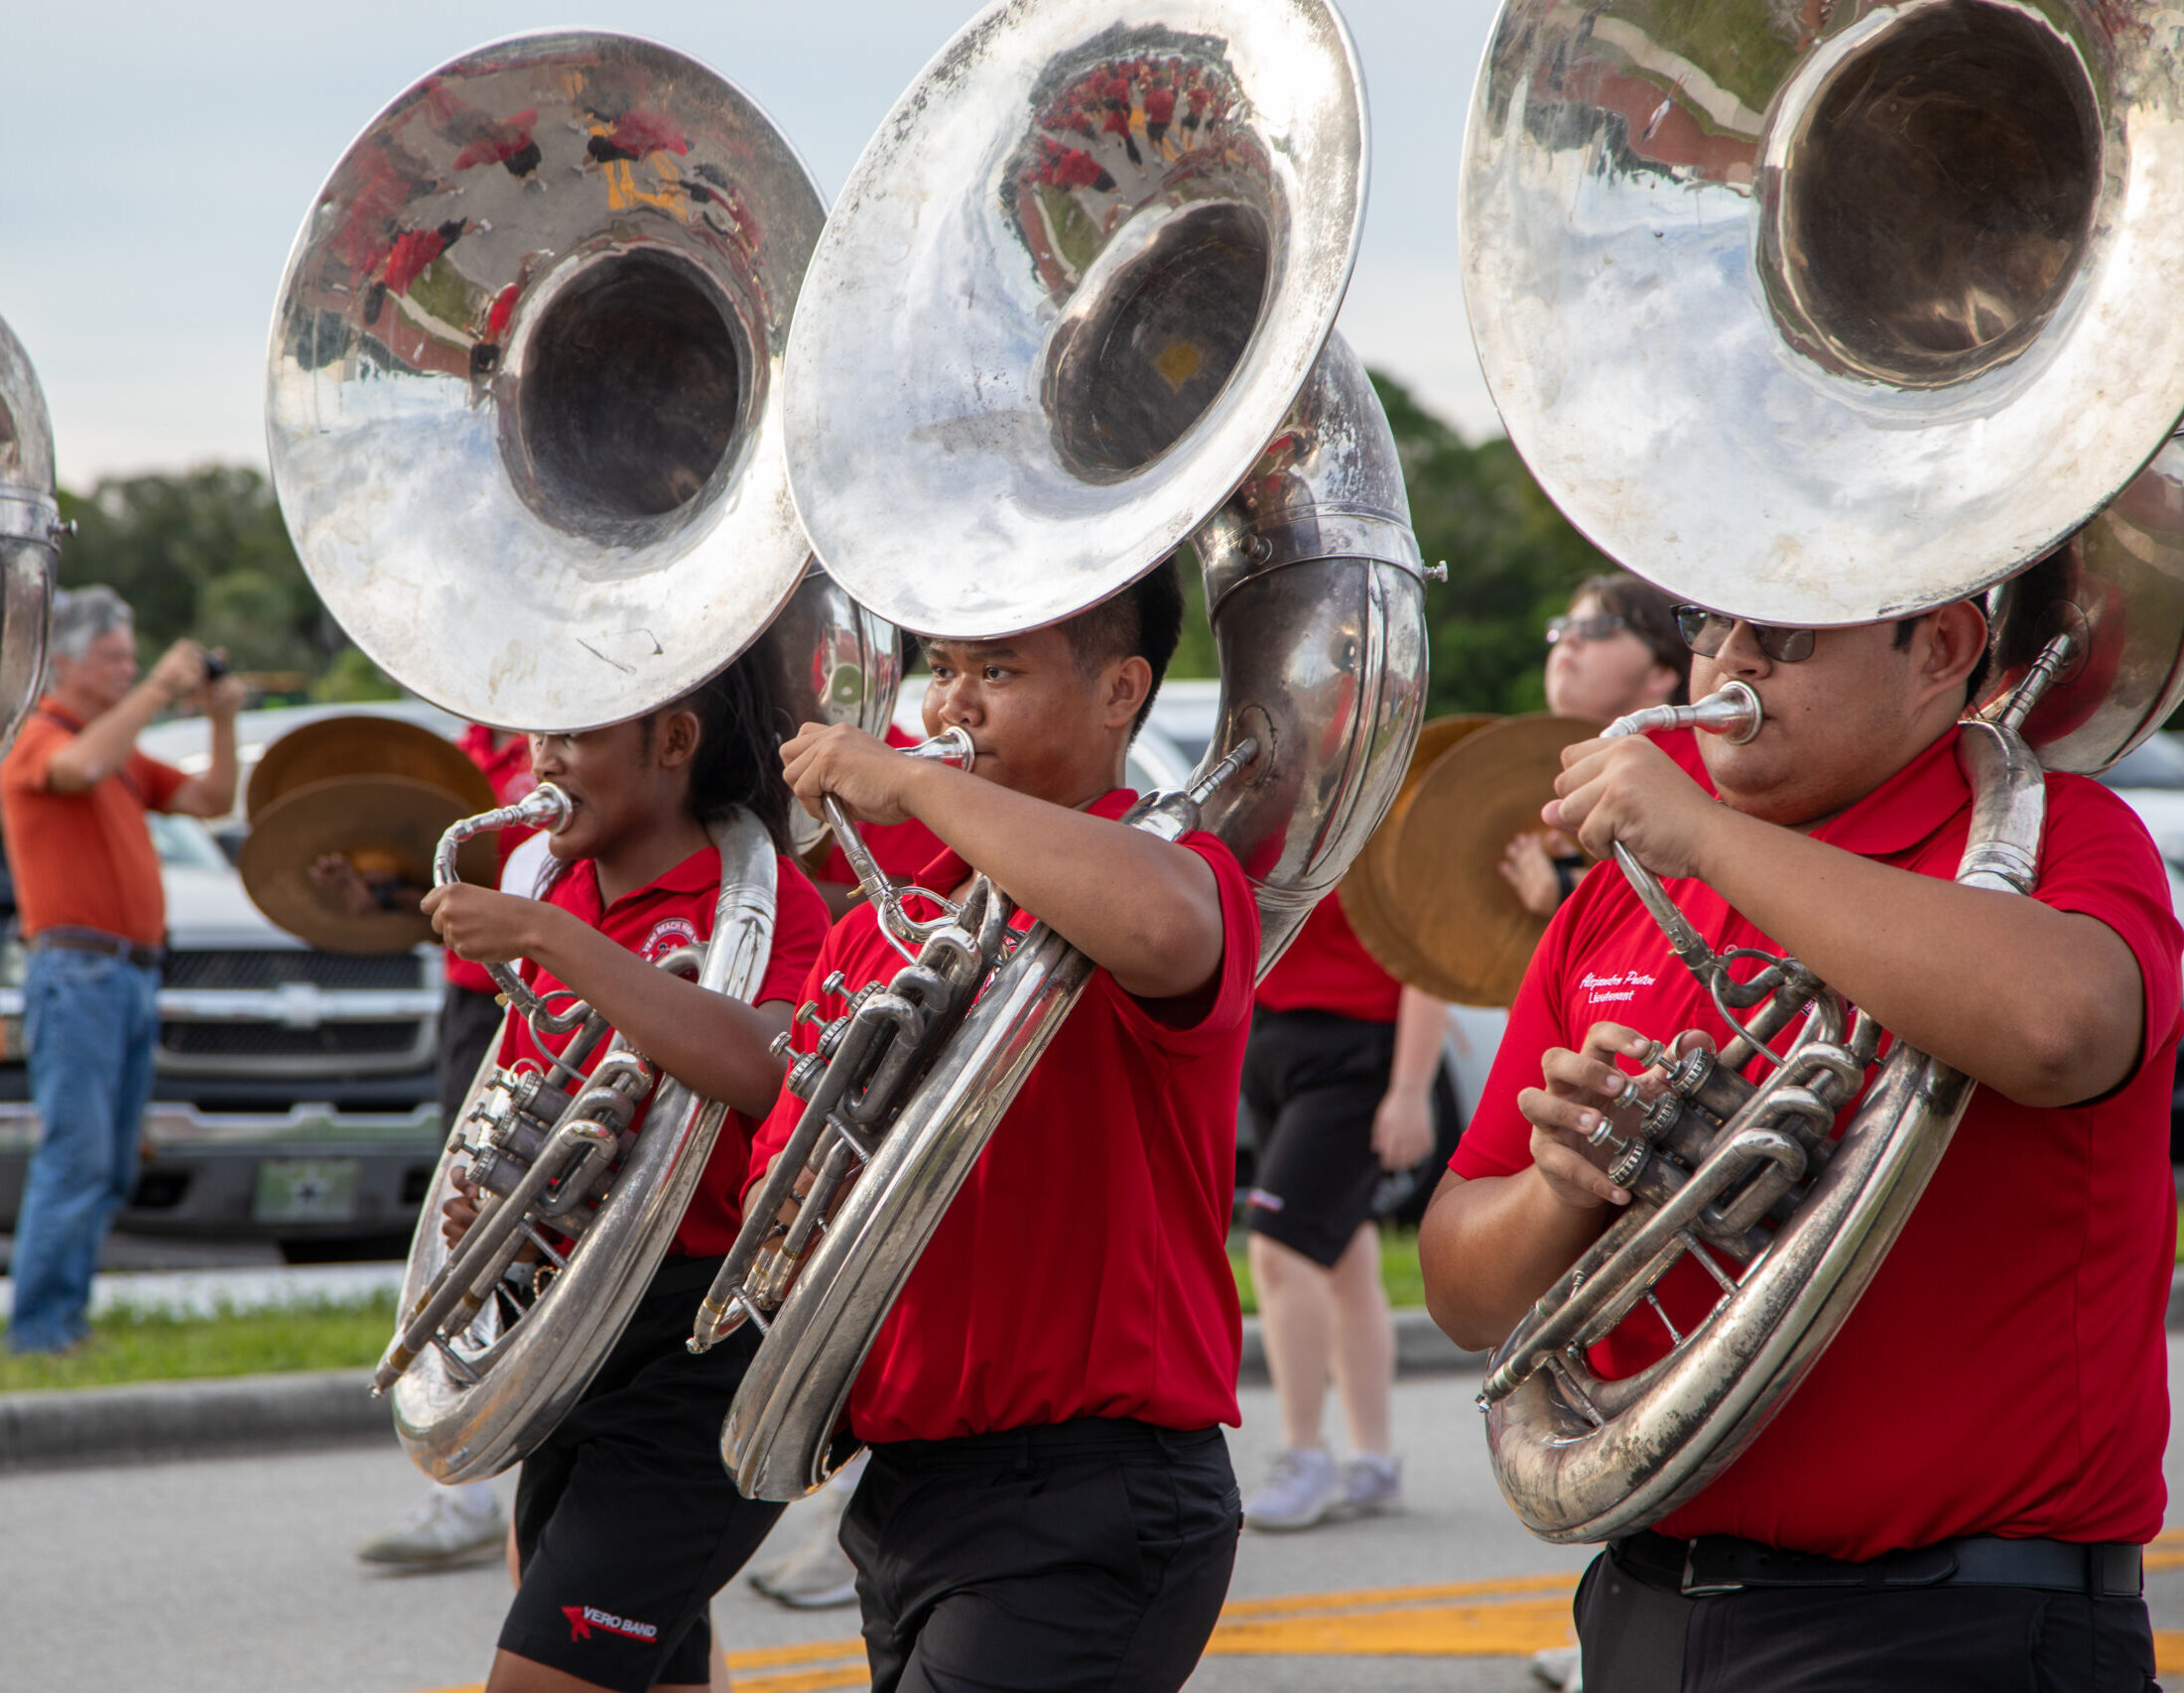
{"x":294,"y":1093}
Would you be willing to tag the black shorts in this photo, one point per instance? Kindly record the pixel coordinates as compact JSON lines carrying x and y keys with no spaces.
{"x":1640,"y":1635}
{"x":1089,"y":1555}
{"x":1312,"y":1081}
{"x":626,"y":1523}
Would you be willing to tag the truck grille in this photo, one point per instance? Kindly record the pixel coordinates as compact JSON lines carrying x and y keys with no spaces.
{"x":268,"y":1040}
{"x":242,"y":971}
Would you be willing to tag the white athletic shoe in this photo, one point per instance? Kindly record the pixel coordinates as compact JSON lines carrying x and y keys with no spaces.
{"x":1298,"y":1491}
{"x":814,"y":1577}
{"x":1560,"y":1667}
{"x":1372,"y":1486}
{"x":450,"y":1527}
{"x":816,"y":1574}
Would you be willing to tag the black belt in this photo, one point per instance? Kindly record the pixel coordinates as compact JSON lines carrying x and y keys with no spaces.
{"x":97,"y":941}
{"x":1722,"y":1563}
{"x":1080,"y":1437}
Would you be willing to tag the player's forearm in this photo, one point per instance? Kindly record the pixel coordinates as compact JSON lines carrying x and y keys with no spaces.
{"x":2043,"y":1005}
{"x":1490,"y":1248}
{"x":714,"y":1045}
{"x":212,"y":793}
{"x":220,"y":775}
{"x":1145,"y":909}
{"x":1421,"y":1028}
{"x":105,"y":742}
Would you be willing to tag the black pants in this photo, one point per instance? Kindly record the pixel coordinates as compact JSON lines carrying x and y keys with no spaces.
{"x":1641,"y":1635}
{"x":468,"y":1023}
{"x":1084,"y":1555}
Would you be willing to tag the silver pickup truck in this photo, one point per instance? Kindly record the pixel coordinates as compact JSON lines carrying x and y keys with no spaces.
{"x":294,"y":1097}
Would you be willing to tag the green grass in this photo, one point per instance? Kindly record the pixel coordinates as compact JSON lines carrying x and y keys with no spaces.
{"x":132,"y":1346}
{"x":1398,"y":1269}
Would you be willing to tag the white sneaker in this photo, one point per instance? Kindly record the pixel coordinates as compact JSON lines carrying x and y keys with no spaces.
{"x":1560,"y":1667}
{"x":450,"y":1527}
{"x":1372,"y":1486}
{"x":816,"y":1573}
{"x":1297,"y":1492}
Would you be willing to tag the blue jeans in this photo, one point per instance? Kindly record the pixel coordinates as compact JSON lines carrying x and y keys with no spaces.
{"x":90,"y":1021}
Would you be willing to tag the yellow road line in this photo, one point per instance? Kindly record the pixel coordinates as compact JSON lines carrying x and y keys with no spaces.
{"x":1430,"y":1631}
{"x":1366,"y":1598}
{"x":1506,"y":1616}
{"x":805,"y":1680}
{"x":811,"y":1651}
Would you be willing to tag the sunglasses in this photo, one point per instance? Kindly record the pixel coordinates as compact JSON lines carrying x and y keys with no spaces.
{"x":1705,"y":632}
{"x":1597,"y":627}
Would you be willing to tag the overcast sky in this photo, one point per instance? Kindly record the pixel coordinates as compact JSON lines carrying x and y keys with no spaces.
{"x":159,"y":158}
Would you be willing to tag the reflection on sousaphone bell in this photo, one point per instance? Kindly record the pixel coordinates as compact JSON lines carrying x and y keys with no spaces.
{"x":376,"y":790}
{"x":1437,"y":911}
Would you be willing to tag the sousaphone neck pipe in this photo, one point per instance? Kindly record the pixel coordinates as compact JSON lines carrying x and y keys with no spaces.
{"x":545,"y":806}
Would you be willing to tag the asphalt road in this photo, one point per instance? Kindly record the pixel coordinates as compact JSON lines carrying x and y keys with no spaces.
{"x":237,"y":1576}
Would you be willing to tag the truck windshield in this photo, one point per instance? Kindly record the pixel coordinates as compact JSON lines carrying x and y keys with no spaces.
{"x":185,"y":843}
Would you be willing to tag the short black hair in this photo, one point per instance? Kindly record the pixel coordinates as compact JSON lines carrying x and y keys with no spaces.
{"x":1144,"y":620}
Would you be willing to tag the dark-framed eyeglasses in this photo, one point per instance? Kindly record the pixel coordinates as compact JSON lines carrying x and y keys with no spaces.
{"x":1704,"y":631}
{"x":1598,"y":627}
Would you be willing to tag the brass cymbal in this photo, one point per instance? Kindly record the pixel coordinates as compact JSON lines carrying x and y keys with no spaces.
{"x":362,"y":744}
{"x":387,"y":826}
{"x":1367,"y":892}
{"x":1446,"y":880}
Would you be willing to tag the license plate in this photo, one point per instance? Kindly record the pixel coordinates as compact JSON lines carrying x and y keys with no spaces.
{"x":305,"y":1190}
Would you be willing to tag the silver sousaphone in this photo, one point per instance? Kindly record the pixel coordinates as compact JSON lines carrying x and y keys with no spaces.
{"x":1823,"y":317}
{"x":523,"y":412}
{"x":31,"y":532}
{"x":1075,"y":310}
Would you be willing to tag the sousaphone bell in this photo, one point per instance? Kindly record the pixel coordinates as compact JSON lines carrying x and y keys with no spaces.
{"x":31,"y":532}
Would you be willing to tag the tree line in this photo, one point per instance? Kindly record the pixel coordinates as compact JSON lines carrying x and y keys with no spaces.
{"x":204,"y":553}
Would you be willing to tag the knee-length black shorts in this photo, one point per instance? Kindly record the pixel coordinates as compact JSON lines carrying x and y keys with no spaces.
{"x":1312,"y":1081}
{"x":626,"y":1523}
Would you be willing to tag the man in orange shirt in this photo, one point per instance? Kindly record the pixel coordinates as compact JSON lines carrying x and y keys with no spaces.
{"x":73,"y":793}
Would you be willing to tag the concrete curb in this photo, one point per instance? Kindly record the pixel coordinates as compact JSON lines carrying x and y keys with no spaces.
{"x":153,"y":1420}
{"x":157,"y":1420}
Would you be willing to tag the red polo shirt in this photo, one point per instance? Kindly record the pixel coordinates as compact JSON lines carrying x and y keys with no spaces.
{"x":902,"y":848}
{"x":652,"y":922}
{"x":1327,"y":968}
{"x":2005,"y":1374}
{"x":508,"y":773}
{"x":1082,"y":1269}
{"x":84,"y":861}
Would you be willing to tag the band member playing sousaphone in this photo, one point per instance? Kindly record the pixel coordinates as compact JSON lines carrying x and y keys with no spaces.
{"x":1044,"y":1403}
{"x":1013,"y":1102}
{"x":625,"y":1525}
{"x":1961,"y":1484}
{"x":528,"y":446}
{"x":1821,"y":1190}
